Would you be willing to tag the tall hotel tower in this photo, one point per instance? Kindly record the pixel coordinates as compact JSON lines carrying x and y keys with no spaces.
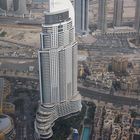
{"x":102,"y":19}
{"x":81,"y":16}
{"x":57,"y":68}
{"x":137,"y":21}
{"x":118,"y":12}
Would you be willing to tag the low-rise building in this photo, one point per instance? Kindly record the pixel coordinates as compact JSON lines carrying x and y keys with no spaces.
{"x":129,"y":83}
{"x":98,"y":122}
{"x":116,"y":132}
{"x":119,"y":65}
{"x":116,"y":124}
{"x":7,"y":131}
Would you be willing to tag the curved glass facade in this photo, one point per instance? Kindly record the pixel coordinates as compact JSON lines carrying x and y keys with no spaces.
{"x":57,"y":69}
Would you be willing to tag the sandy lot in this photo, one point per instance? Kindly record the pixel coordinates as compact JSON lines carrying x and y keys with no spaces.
{"x":28,"y":35}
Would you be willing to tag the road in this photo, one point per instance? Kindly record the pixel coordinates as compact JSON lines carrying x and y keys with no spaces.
{"x":15,"y":20}
{"x":86,"y":92}
{"x":18,"y":57}
{"x":25,"y":112}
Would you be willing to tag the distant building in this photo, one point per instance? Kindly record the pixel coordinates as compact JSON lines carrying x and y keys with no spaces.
{"x":38,"y":6}
{"x":129,"y":84}
{"x":9,"y":5}
{"x":80,"y":71}
{"x":102,"y":19}
{"x":81,"y":16}
{"x":14,"y":6}
{"x":119,"y":65}
{"x":1,"y":93}
{"x":8,"y":108}
{"x":3,"y":4}
{"x":20,"y":6}
{"x":118,"y":12}
{"x":137,"y":21}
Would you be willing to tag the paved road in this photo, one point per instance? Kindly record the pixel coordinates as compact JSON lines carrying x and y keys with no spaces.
{"x":4,"y":20}
{"x":107,"y":97}
{"x":15,"y":20}
{"x":25,"y":113}
{"x":19,"y":58}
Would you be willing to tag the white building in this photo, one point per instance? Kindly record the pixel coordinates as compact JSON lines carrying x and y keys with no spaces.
{"x":57,"y":67}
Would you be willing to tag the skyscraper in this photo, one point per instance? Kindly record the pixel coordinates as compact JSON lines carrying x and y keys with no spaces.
{"x":137,"y":22}
{"x":81,"y":16}
{"x":1,"y":93}
{"x":3,"y":4}
{"x":16,"y":4}
{"x":102,"y":19}
{"x":57,"y":67}
{"x":20,"y":6}
{"x":118,"y":12}
{"x":9,"y":5}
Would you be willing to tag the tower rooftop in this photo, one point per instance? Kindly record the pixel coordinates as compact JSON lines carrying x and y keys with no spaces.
{"x":56,"y":6}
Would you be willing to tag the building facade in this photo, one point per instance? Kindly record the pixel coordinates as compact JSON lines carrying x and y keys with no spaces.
{"x":3,"y":4}
{"x":102,"y":18}
{"x":20,"y":6}
{"x":118,"y":12}
{"x":119,"y":65}
{"x":57,"y":67}
{"x":81,"y":16}
{"x":137,"y":21}
{"x":10,"y":5}
{"x":1,"y":94}
{"x":14,"y":6}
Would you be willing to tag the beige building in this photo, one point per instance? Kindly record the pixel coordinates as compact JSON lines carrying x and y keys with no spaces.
{"x":129,"y":84}
{"x":80,"y":70}
{"x":119,"y":65}
{"x":6,"y":89}
{"x":8,"y":108}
